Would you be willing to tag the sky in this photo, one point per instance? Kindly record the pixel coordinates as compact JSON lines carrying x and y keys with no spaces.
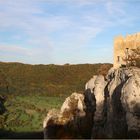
{"x":64,"y":31}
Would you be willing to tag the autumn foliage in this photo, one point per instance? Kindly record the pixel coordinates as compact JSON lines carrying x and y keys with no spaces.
{"x":17,"y":78}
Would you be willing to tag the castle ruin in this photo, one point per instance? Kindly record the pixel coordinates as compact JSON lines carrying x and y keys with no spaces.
{"x":123,"y":47}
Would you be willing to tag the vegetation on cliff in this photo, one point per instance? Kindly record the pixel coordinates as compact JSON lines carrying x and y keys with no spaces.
{"x":133,"y":59}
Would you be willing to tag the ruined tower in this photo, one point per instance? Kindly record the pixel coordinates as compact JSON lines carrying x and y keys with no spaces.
{"x":123,"y":47}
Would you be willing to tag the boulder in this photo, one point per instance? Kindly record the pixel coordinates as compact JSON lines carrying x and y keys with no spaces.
{"x":65,"y":123}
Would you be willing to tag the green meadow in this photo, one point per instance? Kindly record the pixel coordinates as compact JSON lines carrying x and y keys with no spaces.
{"x":26,"y":113}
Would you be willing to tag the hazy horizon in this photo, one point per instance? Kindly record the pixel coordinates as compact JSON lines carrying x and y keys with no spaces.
{"x":63,"y":31}
{"x":53,"y":63}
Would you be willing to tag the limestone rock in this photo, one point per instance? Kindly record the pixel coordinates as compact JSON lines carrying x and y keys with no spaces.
{"x":131,"y":102}
{"x":98,"y":91}
{"x":109,"y":108}
{"x":97,"y":85}
{"x":117,"y":112}
{"x":115,"y":124}
{"x":91,"y":83}
{"x":65,"y":123}
{"x":73,"y":102}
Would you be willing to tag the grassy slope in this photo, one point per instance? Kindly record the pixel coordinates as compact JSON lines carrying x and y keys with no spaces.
{"x":32,"y":90}
{"x":26,"y":113}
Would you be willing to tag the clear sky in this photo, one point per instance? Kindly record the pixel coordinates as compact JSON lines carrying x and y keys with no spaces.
{"x":64,"y":31}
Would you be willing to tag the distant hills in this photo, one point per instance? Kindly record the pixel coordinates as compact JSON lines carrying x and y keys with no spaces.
{"x":18,"y":78}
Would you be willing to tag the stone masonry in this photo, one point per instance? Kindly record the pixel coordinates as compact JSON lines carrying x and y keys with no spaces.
{"x":123,"y":47}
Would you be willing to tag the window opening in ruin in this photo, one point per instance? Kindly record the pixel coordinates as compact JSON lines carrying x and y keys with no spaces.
{"x":127,"y":56}
{"x":127,"y":51}
{"x":118,"y":58}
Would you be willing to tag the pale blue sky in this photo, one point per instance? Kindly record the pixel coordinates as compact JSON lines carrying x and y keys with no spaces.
{"x":64,"y":31}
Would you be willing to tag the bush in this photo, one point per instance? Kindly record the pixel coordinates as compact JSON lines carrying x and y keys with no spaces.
{"x":133,"y":59}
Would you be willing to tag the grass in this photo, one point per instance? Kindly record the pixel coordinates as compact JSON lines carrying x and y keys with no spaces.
{"x":26,"y":113}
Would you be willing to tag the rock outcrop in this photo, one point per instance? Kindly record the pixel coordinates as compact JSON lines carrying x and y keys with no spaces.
{"x":130,"y":100}
{"x":109,"y":108}
{"x":71,"y":121}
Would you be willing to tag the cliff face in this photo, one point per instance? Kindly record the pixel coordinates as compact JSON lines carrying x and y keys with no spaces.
{"x":109,"y":108}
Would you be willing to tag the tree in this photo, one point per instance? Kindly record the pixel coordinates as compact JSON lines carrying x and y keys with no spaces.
{"x":103,"y":70}
{"x":133,"y":58}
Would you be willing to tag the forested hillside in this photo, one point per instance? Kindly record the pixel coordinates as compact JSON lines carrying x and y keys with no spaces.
{"x":27,"y":92}
{"x":17,"y":78}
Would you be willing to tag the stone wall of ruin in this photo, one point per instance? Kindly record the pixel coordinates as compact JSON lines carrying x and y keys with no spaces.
{"x":120,"y":45}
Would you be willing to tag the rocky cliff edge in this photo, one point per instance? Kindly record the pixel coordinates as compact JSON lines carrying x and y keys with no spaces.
{"x":109,"y":108}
